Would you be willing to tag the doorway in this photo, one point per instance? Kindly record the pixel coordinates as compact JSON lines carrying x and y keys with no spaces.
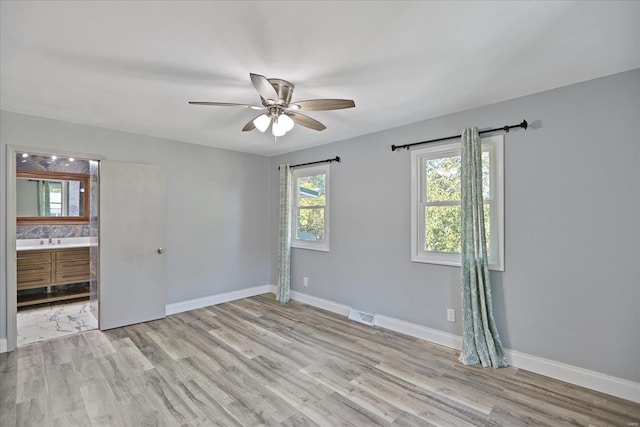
{"x":55,"y":214}
{"x":128,"y":281}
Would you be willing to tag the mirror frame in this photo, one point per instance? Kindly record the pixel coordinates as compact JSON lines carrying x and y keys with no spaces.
{"x":48,"y":220}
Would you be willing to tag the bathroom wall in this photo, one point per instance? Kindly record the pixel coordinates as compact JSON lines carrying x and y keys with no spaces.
{"x":51,"y":231}
{"x":41,"y":162}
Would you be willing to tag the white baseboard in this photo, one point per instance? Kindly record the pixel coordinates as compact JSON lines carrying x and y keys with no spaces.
{"x":428,"y":334}
{"x":324,"y":304}
{"x":594,"y":380}
{"x":3,"y":345}
{"x":179,"y":307}
{"x":608,"y":384}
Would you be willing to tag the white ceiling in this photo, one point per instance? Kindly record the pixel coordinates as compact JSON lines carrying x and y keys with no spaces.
{"x":133,"y":65}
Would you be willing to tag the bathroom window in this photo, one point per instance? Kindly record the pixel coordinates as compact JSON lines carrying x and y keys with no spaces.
{"x":310,"y":208}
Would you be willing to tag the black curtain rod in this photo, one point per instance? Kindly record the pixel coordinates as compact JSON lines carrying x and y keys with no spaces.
{"x":335,"y":159}
{"x":523,"y":125}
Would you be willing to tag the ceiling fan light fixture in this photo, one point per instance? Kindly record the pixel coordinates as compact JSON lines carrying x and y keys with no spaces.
{"x":278,"y":128}
{"x":286,"y":122}
{"x":262,"y":122}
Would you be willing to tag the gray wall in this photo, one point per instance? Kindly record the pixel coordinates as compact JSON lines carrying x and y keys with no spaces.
{"x":571,"y":289}
{"x":216,"y":226}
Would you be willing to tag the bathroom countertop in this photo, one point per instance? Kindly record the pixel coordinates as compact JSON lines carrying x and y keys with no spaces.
{"x":62,"y":243}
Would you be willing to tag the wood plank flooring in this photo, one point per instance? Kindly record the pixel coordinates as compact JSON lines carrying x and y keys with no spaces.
{"x":255,"y":362}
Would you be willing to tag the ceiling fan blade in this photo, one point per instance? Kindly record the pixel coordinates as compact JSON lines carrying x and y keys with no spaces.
{"x":306,"y":121}
{"x":249,"y":126}
{"x":322,"y":104}
{"x":264,"y":88}
{"x":227,"y":104}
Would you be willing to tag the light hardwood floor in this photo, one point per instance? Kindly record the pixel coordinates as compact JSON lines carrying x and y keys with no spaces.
{"x":255,"y":362}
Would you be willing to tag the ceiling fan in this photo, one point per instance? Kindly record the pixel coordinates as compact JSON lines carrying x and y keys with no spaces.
{"x":281,"y":113}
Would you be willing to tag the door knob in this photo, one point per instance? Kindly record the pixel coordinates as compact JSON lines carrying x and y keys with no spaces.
{"x":161,"y":250}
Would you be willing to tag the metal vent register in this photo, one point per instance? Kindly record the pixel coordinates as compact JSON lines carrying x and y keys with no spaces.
{"x":361,"y":317}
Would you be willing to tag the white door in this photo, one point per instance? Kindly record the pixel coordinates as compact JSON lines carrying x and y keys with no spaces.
{"x":132,"y":239}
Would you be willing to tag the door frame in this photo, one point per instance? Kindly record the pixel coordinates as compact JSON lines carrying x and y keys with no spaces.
{"x":11,"y":309}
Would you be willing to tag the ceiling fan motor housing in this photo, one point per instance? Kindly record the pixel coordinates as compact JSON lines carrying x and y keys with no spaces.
{"x":284,"y":90}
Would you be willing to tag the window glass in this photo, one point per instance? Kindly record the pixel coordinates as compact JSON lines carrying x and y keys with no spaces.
{"x":310,"y":208}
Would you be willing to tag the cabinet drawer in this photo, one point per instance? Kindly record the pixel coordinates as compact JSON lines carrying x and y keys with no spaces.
{"x":74,"y":254}
{"x":33,"y":257}
{"x":75,"y":269}
{"x":27,"y":281}
{"x":72,"y":276}
{"x":72,"y":264}
{"x":34,"y":268}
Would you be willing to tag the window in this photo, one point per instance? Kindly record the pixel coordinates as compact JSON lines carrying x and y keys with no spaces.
{"x":435,"y":203}
{"x":310,"y":213}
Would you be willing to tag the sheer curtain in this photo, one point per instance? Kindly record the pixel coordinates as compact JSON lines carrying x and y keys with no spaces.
{"x":283,"y":293}
{"x":480,"y":341}
{"x":44,"y":198}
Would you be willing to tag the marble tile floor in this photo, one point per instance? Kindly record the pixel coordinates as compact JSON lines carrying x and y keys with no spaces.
{"x":53,"y":321}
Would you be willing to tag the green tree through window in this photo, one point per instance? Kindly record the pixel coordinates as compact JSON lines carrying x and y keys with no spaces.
{"x":311,"y":207}
{"x":442,"y":202}
{"x":310,"y":203}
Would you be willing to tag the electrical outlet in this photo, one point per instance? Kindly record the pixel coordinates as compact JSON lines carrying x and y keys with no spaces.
{"x":305,"y":281}
{"x":451,"y":315}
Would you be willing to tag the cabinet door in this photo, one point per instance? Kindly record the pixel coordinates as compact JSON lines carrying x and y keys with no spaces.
{"x":72,"y":265}
{"x":132,"y":229}
{"x":33,"y":269}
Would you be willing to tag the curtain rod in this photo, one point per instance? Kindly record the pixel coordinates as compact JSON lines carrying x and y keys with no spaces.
{"x":335,"y":159}
{"x":523,"y":125}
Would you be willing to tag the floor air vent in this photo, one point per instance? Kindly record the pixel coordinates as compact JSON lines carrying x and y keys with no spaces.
{"x":361,"y":317}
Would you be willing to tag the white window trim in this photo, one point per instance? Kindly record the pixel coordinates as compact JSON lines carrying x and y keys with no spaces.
{"x":322,"y":245}
{"x":496,"y":261}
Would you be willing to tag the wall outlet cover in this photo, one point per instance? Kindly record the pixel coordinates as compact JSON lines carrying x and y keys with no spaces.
{"x":451,"y":315}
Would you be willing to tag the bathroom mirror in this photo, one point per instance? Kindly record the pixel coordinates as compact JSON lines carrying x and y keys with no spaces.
{"x":44,"y":197}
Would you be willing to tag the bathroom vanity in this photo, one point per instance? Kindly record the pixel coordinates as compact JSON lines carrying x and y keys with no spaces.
{"x":49,"y":268}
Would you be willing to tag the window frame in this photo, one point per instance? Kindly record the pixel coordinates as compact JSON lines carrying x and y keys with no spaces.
{"x":318,"y":245}
{"x":493,"y":144}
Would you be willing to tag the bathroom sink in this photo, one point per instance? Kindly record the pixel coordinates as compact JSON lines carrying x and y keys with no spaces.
{"x":68,"y":242}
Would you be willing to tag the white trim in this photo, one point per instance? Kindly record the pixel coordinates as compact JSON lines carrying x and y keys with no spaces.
{"x":182,"y":306}
{"x":11,"y":309}
{"x":324,"y":304}
{"x":608,"y":384}
{"x":428,"y":334}
{"x":594,"y":380}
{"x":3,"y":345}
